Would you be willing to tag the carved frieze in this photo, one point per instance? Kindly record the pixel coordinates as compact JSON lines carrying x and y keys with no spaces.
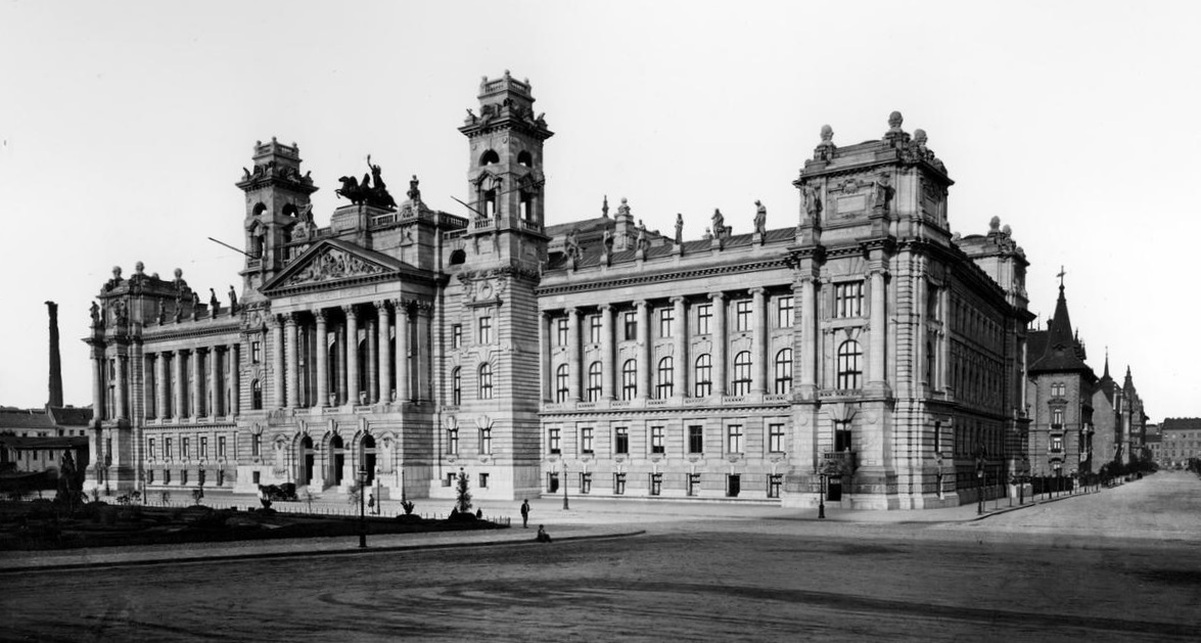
{"x":333,"y":264}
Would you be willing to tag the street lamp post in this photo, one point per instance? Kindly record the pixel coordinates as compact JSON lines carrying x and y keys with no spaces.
{"x":565,"y":507}
{"x":980,"y":485}
{"x":821,"y":495}
{"x":362,"y":508}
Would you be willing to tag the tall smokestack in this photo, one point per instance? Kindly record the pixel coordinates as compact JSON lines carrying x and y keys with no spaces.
{"x":56,"y":362}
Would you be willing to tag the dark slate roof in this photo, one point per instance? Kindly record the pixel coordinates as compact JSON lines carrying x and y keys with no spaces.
{"x":1062,"y":351}
{"x":584,"y":226}
{"x":70,"y":415}
{"x":56,"y":442}
{"x":26,"y":419}
{"x":1180,"y":424}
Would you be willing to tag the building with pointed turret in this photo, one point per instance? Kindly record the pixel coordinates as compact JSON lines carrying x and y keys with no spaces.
{"x":858,"y":349}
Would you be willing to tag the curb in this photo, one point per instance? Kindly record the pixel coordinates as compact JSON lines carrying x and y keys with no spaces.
{"x":299,"y":554}
{"x":1005,"y":510}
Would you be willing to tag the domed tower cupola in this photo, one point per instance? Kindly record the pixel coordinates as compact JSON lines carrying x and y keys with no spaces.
{"x":276,"y":194}
{"x":505,"y":159}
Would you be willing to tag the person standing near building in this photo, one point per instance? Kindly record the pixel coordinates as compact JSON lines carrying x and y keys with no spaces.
{"x":525,"y":513}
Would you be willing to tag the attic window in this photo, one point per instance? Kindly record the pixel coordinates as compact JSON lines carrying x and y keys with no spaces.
{"x":489,"y":158}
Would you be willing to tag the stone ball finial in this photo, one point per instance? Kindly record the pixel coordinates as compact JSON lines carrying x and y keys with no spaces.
{"x":919,"y":136}
{"x":139,"y":267}
{"x":623,"y":200}
{"x":506,"y":73}
{"x":1006,"y":230}
{"x":994,"y":224}
{"x":179,"y":273}
{"x":895,"y":119}
{"x":827,"y":133}
{"x":116,"y":272}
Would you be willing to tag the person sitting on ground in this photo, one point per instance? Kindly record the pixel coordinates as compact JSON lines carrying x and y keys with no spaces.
{"x":542,"y":536}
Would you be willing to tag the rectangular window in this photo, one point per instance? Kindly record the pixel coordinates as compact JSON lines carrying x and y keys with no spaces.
{"x":784,"y":311}
{"x":734,"y":441}
{"x":694,"y":484}
{"x":256,"y":352}
{"x":486,"y":441}
{"x":594,"y":329}
{"x":452,"y":441}
{"x":150,"y":476}
{"x":456,"y":336}
{"x":657,"y":445}
{"x":656,"y":484}
{"x":848,"y":299}
{"x":631,"y":325}
{"x":204,"y":448}
{"x":255,"y":477}
{"x":704,"y":314}
{"x":150,"y":448}
{"x":483,"y":481}
{"x":696,"y":439}
{"x":733,"y":485}
{"x":561,"y":331}
{"x":183,"y":477}
{"x":185,"y":448}
{"x":667,"y":317}
{"x":552,"y":441}
{"x":742,"y":315}
{"x":485,"y":330}
{"x":1056,"y":444}
{"x":167,"y":448}
{"x":938,"y":437}
{"x":586,"y":440}
{"x":167,"y":476}
{"x":842,"y":437}
{"x":774,"y":482}
{"x":775,"y":438}
{"x":621,"y":440}
{"x":256,"y":445}
{"x":221,"y":446}
{"x":200,"y":477}
{"x":619,"y":483}
{"x":1057,"y":417}
{"x":585,"y":483}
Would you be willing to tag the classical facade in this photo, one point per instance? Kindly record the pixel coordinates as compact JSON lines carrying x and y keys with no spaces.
{"x":859,"y":347}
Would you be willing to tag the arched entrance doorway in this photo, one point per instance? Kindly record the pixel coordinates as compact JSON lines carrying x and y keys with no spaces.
{"x":336,"y":461}
{"x":367,"y":458}
{"x":307,"y":458}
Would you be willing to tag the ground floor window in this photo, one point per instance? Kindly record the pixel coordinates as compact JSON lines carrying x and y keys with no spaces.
{"x":167,"y":476}
{"x":656,"y":483}
{"x":255,"y":477}
{"x":585,"y":483}
{"x":552,"y":482}
{"x":773,"y":485}
{"x":733,"y":485}
{"x":200,"y":477}
{"x":183,"y":477}
{"x":619,"y":483}
{"x":483,"y":481}
{"x":220,"y":477}
{"x":449,"y":481}
{"x":694,"y":484}
{"x":150,"y":476}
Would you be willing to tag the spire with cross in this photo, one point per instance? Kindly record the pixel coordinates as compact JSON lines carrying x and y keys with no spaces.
{"x":1062,"y":272}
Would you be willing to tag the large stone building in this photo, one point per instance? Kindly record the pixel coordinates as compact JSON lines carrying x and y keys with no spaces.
{"x":860,"y":341}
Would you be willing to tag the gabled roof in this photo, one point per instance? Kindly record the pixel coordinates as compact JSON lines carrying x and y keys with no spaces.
{"x":70,"y":415}
{"x":1062,"y":351}
{"x":25,"y":419}
{"x":337,"y":260}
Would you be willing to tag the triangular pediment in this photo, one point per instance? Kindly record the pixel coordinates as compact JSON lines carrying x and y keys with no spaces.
{"x":333,"y":261}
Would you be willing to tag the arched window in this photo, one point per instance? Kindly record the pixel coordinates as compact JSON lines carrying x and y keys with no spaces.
{"x":561,"y":385}
{"x":524,"y":158}
{"x":489,"y":157}
{"x":629,"y":380}
{"x":663,"y":380}
{"x":594,"y":381}
{"x":849,"y":370}
{"x":485,"y":381}
{"x":256,"y":395}
{"x":703,"y":376}
{"x":456,"y":386}
{"x":783,"y":372}
{"x":742,"y":374}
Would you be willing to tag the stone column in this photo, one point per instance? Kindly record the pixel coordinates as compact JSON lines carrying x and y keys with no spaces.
{"x":181,"y":378}
{"x":808,"y":335}
{"x":97,"y":385}
{"x":875,"y":360}
{"x":607,"y":373}
{"x":149,"y":391}
{"x":679,"y":329}
{"x":758,"y":342}
{"x":643,"y":349}
{"x":719,"y":343}
{"x":277,"y":370}
{"x":197,"y":376}
{"x":340,"y":356}
{"x":322,"y":359}
{"x":217,"y":407}
{"x":160,"y":401}
{"x":352,"y":354}
{"x":235,"y":379}
{"x":292,"y":392}
{"x":544,"y":345}
{"x":419,"y":365}
{"x":372,"y":362}
{"x":573,"y":354}
{"x":122,"y":392}
{"x":385,"y":360}
{"x":402,"y":352}
{"x":944,"y":346}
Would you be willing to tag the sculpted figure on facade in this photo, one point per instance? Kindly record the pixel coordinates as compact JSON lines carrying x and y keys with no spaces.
{"x":214,"y":304}
{"x":813,"y":202}
{"x":825,"y":150}
{"x":719,"y":223}
{"x":760,"y":218}
{"x":95,"y":310}
{"x":679,"y":228}
{"x":881,"y":192}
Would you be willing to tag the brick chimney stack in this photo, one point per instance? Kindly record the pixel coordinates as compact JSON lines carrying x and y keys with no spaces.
{"x":56,"y":366}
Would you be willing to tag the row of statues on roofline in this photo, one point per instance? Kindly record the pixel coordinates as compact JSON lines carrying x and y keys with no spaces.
{"x":120,"y":314}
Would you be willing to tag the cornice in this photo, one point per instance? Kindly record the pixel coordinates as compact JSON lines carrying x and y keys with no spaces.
{"x":618,"y":282}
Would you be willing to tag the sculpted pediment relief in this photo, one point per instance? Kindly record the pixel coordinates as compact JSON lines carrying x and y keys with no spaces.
{"x":330,"y":264}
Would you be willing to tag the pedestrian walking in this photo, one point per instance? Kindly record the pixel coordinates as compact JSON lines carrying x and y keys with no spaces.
{"x":525,"y":514}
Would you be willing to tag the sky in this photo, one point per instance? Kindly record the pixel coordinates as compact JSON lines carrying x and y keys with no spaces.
{"x":124,"y":126}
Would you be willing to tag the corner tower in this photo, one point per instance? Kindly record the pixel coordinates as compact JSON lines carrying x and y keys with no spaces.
{"x":277,"y":196}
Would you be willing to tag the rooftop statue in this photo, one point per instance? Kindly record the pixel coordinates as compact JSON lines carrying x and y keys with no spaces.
{"x":366,"y":193}
{"x":760,"y":218}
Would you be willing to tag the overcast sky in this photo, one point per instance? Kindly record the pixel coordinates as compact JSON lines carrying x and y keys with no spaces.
{"x":124,"y":125}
